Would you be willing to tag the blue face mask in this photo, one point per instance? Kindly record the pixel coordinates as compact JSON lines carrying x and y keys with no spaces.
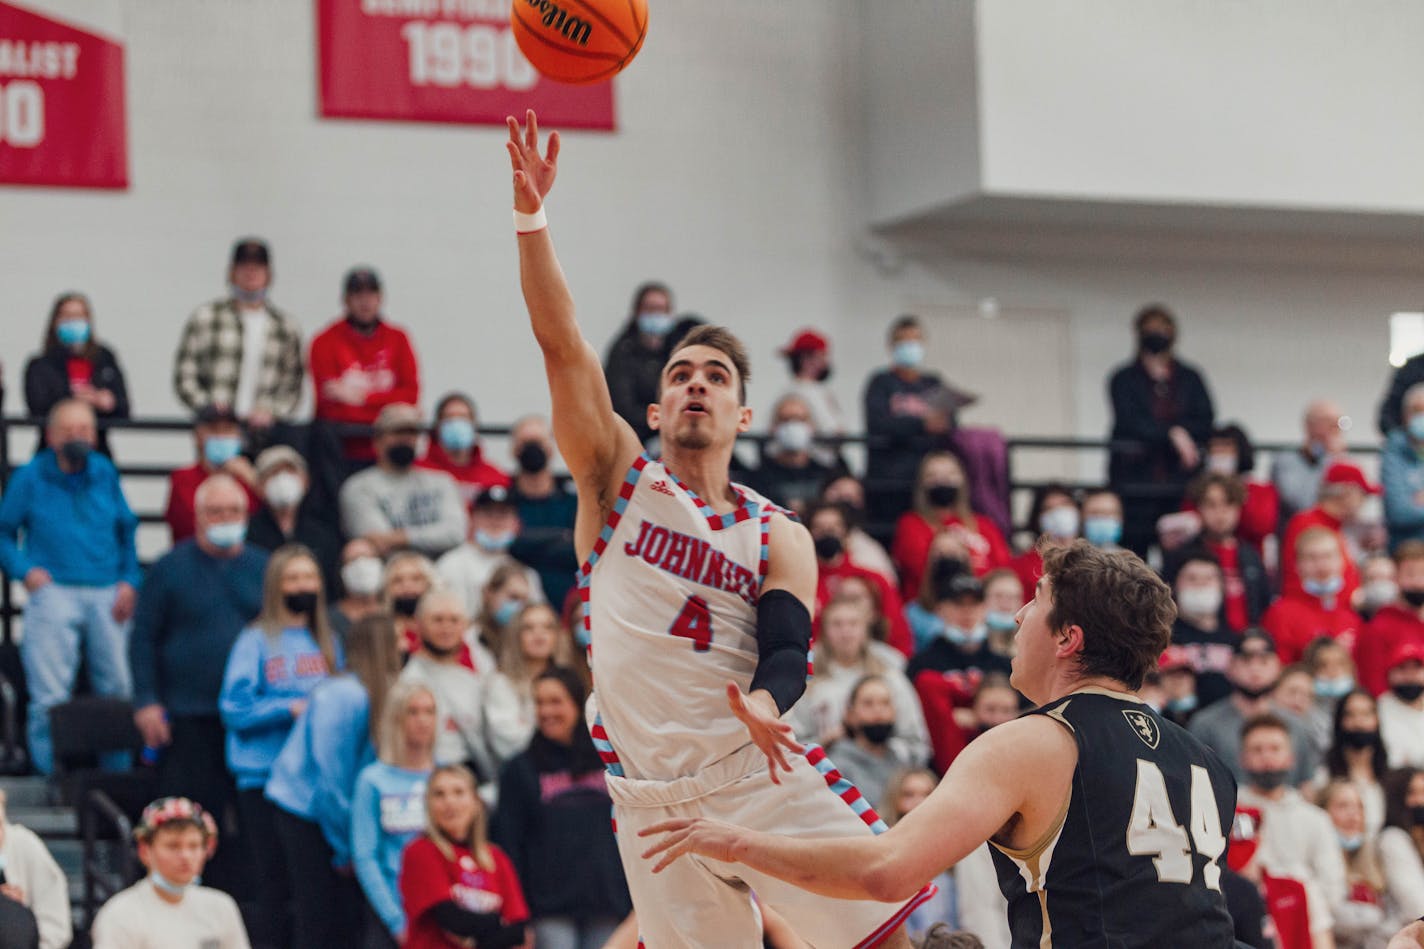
{"x":492,"y":542}
{"x":1000,"y":621}
{"x":1323,"y":588}
{"x":1415,"y":424}
{"x":966,"y":637}
{"x":1182,"y":705}
{"x":506,"y":612}
{"x":1334,"y":688}
{"x":72,"y":332}
{"x":172,"y":889}
{"x":1350,"y":842}
{"x":907,"y":353}
{"x":1102,"y":531}
{"x":457,"y":434}
{"x":226,"y":536}
{"x":655,"y":324}
{"x":218,"y":450}
{"x":582,"y":636}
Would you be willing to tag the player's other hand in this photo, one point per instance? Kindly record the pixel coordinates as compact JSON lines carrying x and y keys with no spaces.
{"x":706,"y":838}
{"x":533,"y":174}
{"x":768,"y":732}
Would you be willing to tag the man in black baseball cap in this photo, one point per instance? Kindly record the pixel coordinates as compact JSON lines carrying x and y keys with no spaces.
{"x":251,"y":250}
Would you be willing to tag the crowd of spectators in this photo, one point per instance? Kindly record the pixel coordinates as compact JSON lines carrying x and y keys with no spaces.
{"x":360,"y":675}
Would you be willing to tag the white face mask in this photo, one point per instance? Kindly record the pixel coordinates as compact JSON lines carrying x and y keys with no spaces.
{"x":1221,"y":464}
{"x":794,"y":435}
{"x":284,"y":490}
{"x":1060,"y":523}
{"x":362,"y":576}
{"x":1379,"y":593}
{"x":1199,"y":601}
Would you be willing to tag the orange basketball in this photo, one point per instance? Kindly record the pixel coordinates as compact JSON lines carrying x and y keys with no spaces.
{"x":579,"y":40}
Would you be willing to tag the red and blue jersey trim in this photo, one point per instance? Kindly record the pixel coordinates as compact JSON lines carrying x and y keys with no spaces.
{"x":604,"y":747}
{"x":847,"y":792}
{"x":744,"y":512}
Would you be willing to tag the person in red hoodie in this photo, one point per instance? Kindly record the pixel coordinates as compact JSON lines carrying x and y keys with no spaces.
{"x":942,"y":504}
{"x":1343,"y":490}
{"x":1320,"y":607}
{"x":360,"y":364}
{"x":1395,"y":624}
{"x":828,"y":527}
{"x":455,"y":448}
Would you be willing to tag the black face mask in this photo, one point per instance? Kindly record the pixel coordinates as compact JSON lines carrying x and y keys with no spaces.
{"x":405,"y":605}
{"x":1352,"y":738}
{"x":401,"y":456}
{"x":1407,"y":691}
{"x":75,"y":452}
{"x":1414,"y":598}
{"x":824,"y":374}
{"x":436,"y":651}
{"x":828,"y":547}
{"x":878,"y":733}
{"x":1267,"y":780}
{"x":942,"y":495}
{"x":301,"y":603}
{"x":1416,"y":814}
{"x":533,"y":458}
{"x":1254,"y":693}
{"x":1155,"y":343}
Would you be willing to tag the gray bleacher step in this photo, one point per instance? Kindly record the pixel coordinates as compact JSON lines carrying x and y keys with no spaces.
{"x":30,"y":791}
{"x":48,"y":822}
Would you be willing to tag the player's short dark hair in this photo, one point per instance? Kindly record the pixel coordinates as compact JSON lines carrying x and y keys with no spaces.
{"x":1265,"y":720}
{"x":724,"y":341}
{"x":1124,"y":608}
{"x":1231,"y":485}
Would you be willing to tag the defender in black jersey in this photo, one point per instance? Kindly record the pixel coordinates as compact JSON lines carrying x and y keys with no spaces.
{"x":1108,"y":824}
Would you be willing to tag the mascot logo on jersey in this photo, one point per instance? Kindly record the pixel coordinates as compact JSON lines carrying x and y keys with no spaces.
{"x":1144,"y":726}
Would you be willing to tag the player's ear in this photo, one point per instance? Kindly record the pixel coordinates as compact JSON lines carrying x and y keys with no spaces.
{"x":744,"y":419}
{"x":654,"y":415}
{"x":1070,"y":641}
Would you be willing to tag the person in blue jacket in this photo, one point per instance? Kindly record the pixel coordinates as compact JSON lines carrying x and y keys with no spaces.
{"x":313,"y":777}
{"x":274,"y":665}
{"x":388,"y":808}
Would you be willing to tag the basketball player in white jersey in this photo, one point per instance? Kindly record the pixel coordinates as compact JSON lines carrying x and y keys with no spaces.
{"x":697,"y":596}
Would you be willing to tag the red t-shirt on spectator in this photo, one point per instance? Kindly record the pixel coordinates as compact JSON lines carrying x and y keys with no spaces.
{"x":1290,"y":576}
{"x":427,"y":879}
{"x":80,"y":371}
{"x":1029,"y":567}
{"x":382,"y":359}
{"x":473,"y":478}
{"x":1298,"y":619}
{"x":1233,"y":586}
{"x":182,"y":500}
{"x":829,"y":578}
{"x":914,"y":535}
{"x":1391,"y":627}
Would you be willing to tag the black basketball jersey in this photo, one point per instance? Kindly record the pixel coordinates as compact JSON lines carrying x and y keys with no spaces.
{"x":1137,"y":856}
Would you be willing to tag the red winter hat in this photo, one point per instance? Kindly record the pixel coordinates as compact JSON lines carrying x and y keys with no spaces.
{"x":806,"y":341}
{"x":1342,"y":472}
{"x":1174,"y":657}
{"x":1406,"y":652}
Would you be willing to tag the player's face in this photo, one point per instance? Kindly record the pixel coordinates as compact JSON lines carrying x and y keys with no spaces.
{"x":1035,"y":645}
{"x":700,"y":405}
{"x":453,"y":805}
{"x":177,"y":854}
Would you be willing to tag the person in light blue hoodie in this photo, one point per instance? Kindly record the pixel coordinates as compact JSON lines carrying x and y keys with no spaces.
{"x":313,"y":778}
{"x":272,"y":669}
{"x":388,"y":808}
{"x":1402,"y":472}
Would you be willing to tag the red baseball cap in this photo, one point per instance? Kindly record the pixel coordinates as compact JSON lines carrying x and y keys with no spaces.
{"x":806,"y":341}
{"x":1406,"y":652}
{"x":1174,"y":657}
{"x":1342,"y":472}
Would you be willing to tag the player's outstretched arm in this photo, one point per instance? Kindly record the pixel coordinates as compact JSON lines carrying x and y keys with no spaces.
{"x":595,"y":443}
{"x":1021,"y":769}
{"x":1410,"y":937}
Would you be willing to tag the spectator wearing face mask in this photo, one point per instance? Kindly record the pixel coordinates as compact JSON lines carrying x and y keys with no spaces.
{"x":361,"y":363}
{"x":808,"y":357}
{"x":1003,"y":595}
{"x":218,"y":437}
{"x":634,"y":364}
{"x":1401,"y":709}
{"x":1402,"y":472}
{"x":1401,"y":843}
{"x":361,"y":571}
{"x":870,"y":753}
{"x":1367,"y":917}
{"x":789,"y":473}
{"x":494,"y":525}
{"x":827,"y":524}
{"x":1163,"y":405}
{"x":72,"y":364}
{"x":395,"y":504}
{"x":1396,"y":623}
{"x":34,"y":893}
{"x":1297,"y":839}
{"x":1319,"y":607}
{"x":1297,"y":474}
{"x":909,"y":412}
{"x":1357,"y":754}
{"x":1199,"y":630}
{"x":455,"y":449}
{"x":845,"y":490}
{"x":942,"y":506}
{"x":1217,"y":499}
{"x":547,"y":505}
{"x":1230,"y":454}
{"x":1175,"y":685}
{"x":1253,"y":673}
{"x":1379,"y":584}
{"x":952,"y":727}
{"x":1055,"y":516}
{"x":1343,"y":492}
{"x":1332,"y":678}
{"x":1102,"y":519}
{"x":287,"y":517}
{"x":535,"y":645}
{"x":506,"y":593}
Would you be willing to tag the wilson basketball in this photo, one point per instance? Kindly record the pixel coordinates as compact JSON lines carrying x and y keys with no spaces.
{"x":579,"y":40}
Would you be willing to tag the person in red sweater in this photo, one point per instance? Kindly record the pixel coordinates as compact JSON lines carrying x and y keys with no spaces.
{"x":942,"y":504}
{"x":828,"y":527}
{"x":1393,"y":625}
{"x":360,"y":364}
{"x":1229,"y":452}
{"x":1343,"y":490}
{"x":218,"y":437}
{"x":1055,"y":515}
{"x":455,"y":448}
{"x":1320,"y":607}
{"x":458,"y":889}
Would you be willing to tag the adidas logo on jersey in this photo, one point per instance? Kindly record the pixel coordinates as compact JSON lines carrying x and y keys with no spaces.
{"x":662,"y":488}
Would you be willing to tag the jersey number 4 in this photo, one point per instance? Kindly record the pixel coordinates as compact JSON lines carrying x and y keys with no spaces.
{"x":694,"y":622}
{"x":1153,"y":828}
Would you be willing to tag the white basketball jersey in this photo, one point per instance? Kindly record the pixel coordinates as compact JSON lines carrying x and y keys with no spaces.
{"x":669,"y":595}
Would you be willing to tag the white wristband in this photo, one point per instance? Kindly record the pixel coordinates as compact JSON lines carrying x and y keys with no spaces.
{"x":529,"y":223}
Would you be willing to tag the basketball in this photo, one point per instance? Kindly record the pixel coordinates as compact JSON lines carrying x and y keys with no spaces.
{"x":579,"y":41}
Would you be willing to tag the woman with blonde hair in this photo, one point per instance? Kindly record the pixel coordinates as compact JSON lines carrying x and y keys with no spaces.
{"x":942,"y":505}
{"x":408,"y":576}
{"x":274,"y":665}
{"x":1366,"y":917}
{"x":536,"y":644}
{"x":456,"y":887}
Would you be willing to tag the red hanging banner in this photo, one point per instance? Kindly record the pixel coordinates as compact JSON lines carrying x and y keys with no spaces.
{"x":62,"y":119}
{"x":453,"y":61}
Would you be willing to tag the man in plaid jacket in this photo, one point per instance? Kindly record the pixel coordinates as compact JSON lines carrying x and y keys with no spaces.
{"x":242,"y":353}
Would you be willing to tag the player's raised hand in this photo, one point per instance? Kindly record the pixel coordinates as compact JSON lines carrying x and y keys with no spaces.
{"x":533,"y":174}
{"x":768,"y":732}
{"x":685,"y":835}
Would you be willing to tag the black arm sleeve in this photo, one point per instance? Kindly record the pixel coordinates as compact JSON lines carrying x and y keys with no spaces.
{"x":783,"y":639}
{"x":454,"y":918}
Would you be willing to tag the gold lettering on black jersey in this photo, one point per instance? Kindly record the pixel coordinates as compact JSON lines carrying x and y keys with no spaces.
{"x":1144,"y":726}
